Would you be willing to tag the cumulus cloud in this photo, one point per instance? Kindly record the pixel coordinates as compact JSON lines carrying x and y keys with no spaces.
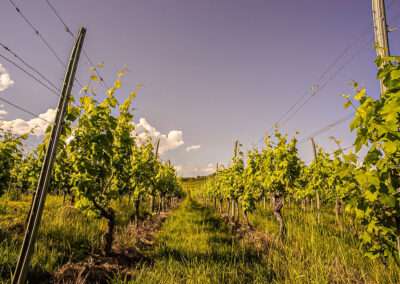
{"x":193,"y":148}
{"x":2,"y":112}
{"x":144,"y":130}
{"x":179,"y":169}
{"x":209,"y":169}
{"x":37,"y":126}
{"x":5,"y":79}
{"x":188,"y":171}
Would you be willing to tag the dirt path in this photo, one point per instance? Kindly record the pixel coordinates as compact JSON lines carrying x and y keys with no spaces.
{"x":195,"y":246}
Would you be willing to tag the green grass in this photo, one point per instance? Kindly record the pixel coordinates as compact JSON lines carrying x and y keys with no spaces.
{"x":314,"y":252}
{"x":320,"y":253}
{"x":195,"y":246}
{"x":65,"y":235}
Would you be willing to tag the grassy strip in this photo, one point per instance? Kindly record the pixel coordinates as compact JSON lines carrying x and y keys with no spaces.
{"x":195,"y":246}
{"x":320,"y":253}
{"x":66,"y":235}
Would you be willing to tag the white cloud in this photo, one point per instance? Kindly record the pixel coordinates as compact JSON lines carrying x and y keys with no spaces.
{"x":37,"y":126}
{"x":188,"y":171}
{"x":209,"y":169}
{"x":144,"y":130}
{"x":5,"y":80}
{"x":193,"y":148}
{"x":179,"y":169}
{"x":2,"y":112}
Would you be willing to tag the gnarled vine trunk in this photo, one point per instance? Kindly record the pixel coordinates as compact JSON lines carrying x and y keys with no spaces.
{"x":229,"y":209}
{"x":233,"y":210}
{"x":137,"y":211}
{"x":109,"y":237}
{"x":278,"y":205}
{"x":109,"y":214}
{"x":337,"y":211}
{"x":237,"y":211}
{"x":72,"y":200}
{"x":246,"y":218}
{"x":152,"y":203}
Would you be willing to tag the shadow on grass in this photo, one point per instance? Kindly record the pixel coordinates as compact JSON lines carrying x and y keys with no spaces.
{"x":225,"y":250}
{"x":326,"y":228}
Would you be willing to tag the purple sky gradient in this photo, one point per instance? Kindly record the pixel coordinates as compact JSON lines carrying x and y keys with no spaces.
{"x":217,"y":70}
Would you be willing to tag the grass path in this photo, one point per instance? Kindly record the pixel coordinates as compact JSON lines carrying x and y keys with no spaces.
{"x":194,"y":246}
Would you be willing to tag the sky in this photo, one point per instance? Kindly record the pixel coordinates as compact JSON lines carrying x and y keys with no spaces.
{"x":212,"y":71}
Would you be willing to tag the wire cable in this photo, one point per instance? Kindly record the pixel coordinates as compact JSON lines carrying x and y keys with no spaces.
{"x":68,"y":31}
{"x":34,"y":115}
{"x":327,"y":127}
{"x":52,"y":91}
{"x":30,"y":66}
{"x":42,"y":38}
{"x":341,"y":149}
{"x":308,"y":97}
{"x":320,"y":82}
{"x":321,"y":87}
{"x":328,"y":69}
{"x":30,"y":75}
{"x":346,"y":118}
{"x":37,"y":32}
{"x":370,"y":40}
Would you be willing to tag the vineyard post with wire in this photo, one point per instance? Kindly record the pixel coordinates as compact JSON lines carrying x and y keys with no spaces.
{"x":380,"y":32}
{"x":317,"y":196}
{"x":36,"y":211}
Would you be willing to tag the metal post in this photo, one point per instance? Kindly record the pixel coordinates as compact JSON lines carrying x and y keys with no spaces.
{"x":236,"y":151}
{"x":314,"y":148}
{"x":35,"y":215}
{"x":317,"y":193}
{"x":380,"y":31}
{"x":157,"y":147}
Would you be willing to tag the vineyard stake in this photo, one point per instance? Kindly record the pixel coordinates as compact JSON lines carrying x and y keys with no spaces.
{"x":380,"y":31}
{"x":317,"y":193}
{"x":35,"y":215}
{"x":157,"y":148}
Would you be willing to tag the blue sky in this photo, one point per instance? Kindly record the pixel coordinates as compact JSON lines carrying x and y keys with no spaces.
{"x":215,"y":70}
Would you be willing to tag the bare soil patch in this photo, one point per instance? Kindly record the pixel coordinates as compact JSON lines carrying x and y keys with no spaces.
{"x":129,"y":251}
